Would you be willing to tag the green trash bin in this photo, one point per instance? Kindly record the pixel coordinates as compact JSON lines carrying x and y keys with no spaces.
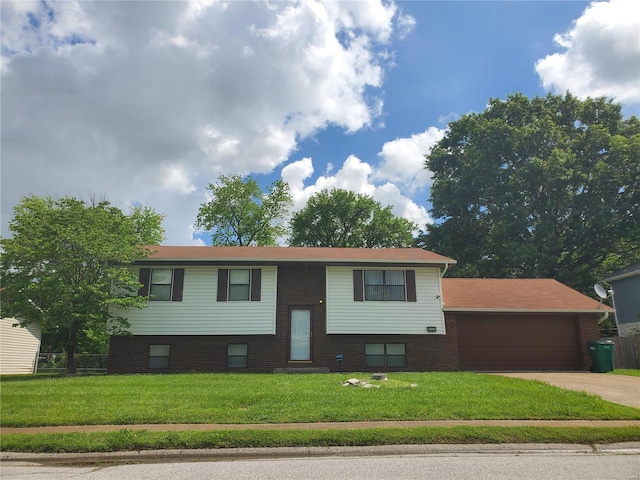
{"x":601,"y":355}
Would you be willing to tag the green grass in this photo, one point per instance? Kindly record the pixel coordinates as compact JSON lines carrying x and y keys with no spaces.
{"x":128,"y":440}
{"x":627,"y":371}
{"x":266,"y":398}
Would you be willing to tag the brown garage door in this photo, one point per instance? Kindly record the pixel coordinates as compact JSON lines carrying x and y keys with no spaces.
{"x":518,"y":342}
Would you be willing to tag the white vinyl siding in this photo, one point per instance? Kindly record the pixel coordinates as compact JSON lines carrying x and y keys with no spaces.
{"x":19,"y":347}
{"x":199,"y":313}
{"x":346,"y":316}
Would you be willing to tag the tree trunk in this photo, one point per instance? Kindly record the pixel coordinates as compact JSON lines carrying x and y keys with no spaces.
{"x":70,"y":350}
{"x":72,"y":341}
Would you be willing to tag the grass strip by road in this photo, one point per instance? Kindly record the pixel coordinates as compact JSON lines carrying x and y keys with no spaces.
{"x":627,"y":371}
{"x":136,"y":440}
{"x":269,"y":398}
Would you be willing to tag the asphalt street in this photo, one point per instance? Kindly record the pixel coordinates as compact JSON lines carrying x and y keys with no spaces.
{"x":547,"y":465}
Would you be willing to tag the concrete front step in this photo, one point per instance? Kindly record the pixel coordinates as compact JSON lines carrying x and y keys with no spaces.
{"x":302,"y":370}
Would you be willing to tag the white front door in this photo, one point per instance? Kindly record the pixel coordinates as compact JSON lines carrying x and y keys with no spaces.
{"x":300,"y":334}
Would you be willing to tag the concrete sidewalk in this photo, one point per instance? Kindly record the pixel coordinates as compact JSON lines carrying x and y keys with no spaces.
{"x":322,"y":425}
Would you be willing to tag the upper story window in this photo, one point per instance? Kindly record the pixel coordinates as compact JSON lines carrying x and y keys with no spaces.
{"x":384,"y":285}
{"x":239,"y":284}
{"x":162,"y":284}
{"x":161,"y":281}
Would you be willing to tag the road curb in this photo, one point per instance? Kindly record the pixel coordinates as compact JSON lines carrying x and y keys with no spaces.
{"x":178,"y":456}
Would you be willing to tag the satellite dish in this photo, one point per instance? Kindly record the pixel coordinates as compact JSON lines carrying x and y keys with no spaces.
{"x":600,"y":291}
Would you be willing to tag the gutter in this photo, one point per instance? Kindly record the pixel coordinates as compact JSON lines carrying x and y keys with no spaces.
{"x":527,"y":310}
{"x":271,"y":262}
{"x":622,"y":276}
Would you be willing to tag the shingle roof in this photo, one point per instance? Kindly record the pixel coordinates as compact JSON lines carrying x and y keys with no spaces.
{"x":298,"y":254}
{"x":515,"y":295}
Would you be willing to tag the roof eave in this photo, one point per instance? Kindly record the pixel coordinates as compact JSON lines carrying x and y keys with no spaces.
{"x":528,"y":310}
{"x":623,"y":276}
{"x":346,"y":261}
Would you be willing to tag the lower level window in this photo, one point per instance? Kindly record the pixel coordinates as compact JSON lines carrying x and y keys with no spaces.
{"x":159,"y":356}
{"x":237,"y":355}
{"x":386,"y":355}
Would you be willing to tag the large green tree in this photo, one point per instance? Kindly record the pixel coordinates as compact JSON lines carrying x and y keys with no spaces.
{"x":240,"y":213}
{"x":66,"y":265}
{"x":341,"y":218}
{"x":542,"y":187}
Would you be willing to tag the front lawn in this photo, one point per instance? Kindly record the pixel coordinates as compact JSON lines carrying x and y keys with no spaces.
{"x":266,"y":398}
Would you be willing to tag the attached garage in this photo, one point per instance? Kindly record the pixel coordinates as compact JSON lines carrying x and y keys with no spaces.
{"x":521,"y":324}
{"x":518,"y":342}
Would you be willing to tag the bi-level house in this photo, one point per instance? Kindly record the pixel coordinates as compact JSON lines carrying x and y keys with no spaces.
{"x":265,"y":309}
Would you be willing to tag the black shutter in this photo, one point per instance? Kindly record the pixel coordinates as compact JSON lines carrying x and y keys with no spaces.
{"x":144,"y":277}
{"x":410,"y":276}
{"x":223,"y":279}
{"x":358,"y":294}
{"x":256,"y":284}
{"x":178,"y":284}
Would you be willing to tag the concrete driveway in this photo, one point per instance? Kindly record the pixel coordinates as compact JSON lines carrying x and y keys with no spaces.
{"x":621,"y":389}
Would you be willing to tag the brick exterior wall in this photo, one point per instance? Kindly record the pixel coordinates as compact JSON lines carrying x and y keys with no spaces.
{"x":300,"y":286}
{"x":588,"y":331}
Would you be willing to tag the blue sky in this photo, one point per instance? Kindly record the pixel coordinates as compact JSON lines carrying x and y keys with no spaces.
{"x":148,"y":102}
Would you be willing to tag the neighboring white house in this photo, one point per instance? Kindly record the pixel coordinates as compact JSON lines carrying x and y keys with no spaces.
{"x":19,"y":347}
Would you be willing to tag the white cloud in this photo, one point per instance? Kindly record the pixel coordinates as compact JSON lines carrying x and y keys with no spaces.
{"x":295,"y":174}
{"x":403,"y":158}
{"x":354,"y":175}
{"x":176,"y":179}
{"x":28,"y":25}
{"x":406,"y":24}
{"x":149,"y":101}
{"x":448,"y":118}
{"x":403,"y":206}
{"x":373,"y":18}
{"x":601,"y":54}
{"x":393,"y":181}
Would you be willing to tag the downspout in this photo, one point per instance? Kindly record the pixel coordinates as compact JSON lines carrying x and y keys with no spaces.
{"x":603,"y":318}
{"x":615,"y":311}
{"x":441,"y":298}
{"x":446,"y":267}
